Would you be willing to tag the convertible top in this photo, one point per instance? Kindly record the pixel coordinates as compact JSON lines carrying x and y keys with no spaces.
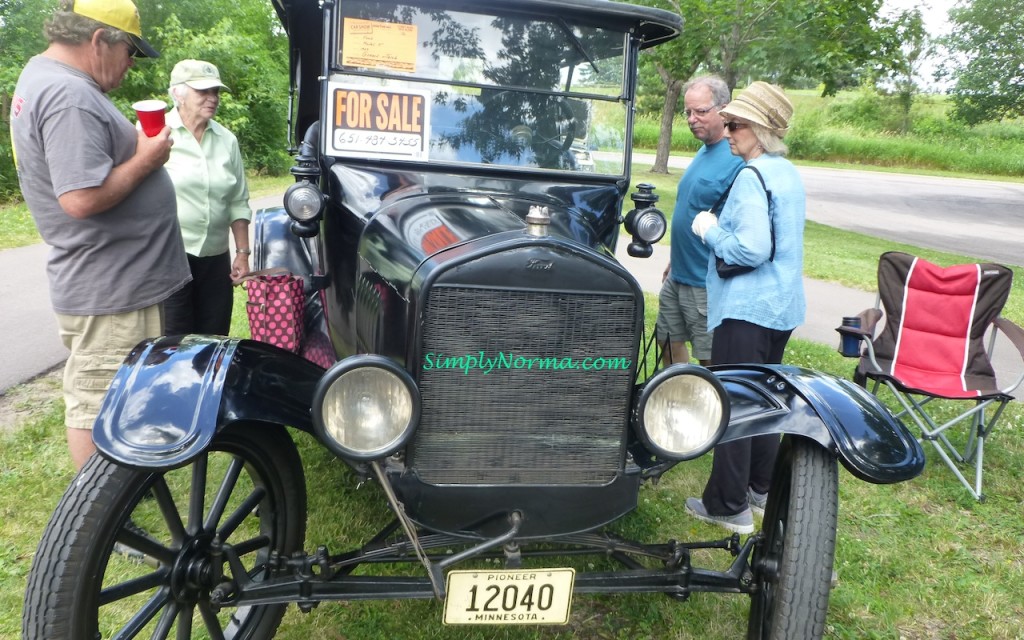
{"x":653,"y":26}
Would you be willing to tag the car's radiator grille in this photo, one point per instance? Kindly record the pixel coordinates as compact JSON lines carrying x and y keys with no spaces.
{"x":549,"y":408}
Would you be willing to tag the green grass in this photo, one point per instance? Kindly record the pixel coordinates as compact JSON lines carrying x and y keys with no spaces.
{"x":16,"y":226}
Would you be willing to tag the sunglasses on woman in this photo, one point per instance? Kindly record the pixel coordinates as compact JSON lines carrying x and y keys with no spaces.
{"x":732,"y":126}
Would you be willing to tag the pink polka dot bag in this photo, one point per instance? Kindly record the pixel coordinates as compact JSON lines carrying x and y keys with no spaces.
{"x":275,"y":309}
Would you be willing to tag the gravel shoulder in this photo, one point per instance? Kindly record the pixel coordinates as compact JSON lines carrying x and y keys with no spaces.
{"x":22,"y":402}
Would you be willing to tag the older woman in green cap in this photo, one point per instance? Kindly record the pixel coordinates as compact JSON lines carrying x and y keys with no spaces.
{"x":761,"y":227}
{"x":213,"y":201}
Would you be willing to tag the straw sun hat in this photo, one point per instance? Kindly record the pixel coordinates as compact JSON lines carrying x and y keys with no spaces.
{"x":764,"y":104}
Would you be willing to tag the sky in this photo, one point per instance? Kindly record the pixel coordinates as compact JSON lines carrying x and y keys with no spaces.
{"x":934,"y":12}
{"x":936,"y":22}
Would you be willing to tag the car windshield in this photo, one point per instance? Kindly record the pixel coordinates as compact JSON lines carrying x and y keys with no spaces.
{"x":411,"y":83}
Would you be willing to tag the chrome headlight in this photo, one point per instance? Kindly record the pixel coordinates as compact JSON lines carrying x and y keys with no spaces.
{"x":303,"y":201}
{"x":683,"y":412}
{"x":650,"y":225}
{"x":365,"y":408}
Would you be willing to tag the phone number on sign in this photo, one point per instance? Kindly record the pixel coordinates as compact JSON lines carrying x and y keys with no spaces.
{"x":361,"y":140}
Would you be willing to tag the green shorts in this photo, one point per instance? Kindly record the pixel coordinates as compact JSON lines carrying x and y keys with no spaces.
{"x":98,"y":346}
{"x":683,"y":317}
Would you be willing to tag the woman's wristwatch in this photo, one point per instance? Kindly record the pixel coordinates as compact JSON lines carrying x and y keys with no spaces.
{"x":243,"y":252}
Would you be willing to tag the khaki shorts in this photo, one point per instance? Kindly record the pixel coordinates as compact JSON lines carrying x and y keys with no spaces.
{"x":98,"y":346}
{"x":683,"y":317}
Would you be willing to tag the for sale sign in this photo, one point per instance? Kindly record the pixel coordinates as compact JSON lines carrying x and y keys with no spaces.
{"x":379,"y":123}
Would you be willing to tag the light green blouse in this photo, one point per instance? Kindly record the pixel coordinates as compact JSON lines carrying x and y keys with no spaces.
{"x":209,"y":183}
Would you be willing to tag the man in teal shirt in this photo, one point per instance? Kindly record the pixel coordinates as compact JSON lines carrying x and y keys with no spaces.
{"x":683,"y":301}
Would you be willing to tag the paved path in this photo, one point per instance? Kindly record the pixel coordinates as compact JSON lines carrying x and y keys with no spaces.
{"x":29,"y":344}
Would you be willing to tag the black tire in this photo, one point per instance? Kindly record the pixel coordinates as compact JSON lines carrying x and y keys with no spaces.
{"x":793,"y":565}
{"x":93,"y":577}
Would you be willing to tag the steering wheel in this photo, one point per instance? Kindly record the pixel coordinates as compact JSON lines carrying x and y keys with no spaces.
{"x":548,"y":130}
{"x":542,"y":120}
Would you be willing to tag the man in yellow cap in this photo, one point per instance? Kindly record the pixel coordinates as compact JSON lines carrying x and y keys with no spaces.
{"x":100,"y":197}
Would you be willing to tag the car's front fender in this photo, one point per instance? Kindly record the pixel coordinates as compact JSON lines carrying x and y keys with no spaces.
{"x":838,"y":414}
{"x":172,"y":395}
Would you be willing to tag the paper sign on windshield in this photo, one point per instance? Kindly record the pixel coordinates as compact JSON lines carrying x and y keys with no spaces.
{"x":379,"y":45}
{"x":377,"y":122}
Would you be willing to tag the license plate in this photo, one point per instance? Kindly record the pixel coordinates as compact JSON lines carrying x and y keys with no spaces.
{"x":539,"y":596}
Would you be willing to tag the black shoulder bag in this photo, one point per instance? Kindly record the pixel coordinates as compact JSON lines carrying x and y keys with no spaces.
{"x":726,"y":270}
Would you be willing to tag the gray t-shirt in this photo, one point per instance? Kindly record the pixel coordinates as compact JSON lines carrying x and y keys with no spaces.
{"x":68,"y":135}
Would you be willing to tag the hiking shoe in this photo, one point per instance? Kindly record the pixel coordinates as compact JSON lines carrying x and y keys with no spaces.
{"x":742,"y":522}
{"x":757,"y":501}
{"x":131,"y":553}
{"x":130,"y":525}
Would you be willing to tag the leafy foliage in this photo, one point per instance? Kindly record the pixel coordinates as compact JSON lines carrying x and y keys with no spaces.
{"x":986,"y":46}
{"x":798,"y":42}
{"x":252,"y":64}
{"x":241,"y":37}
{"x":21,"y":36}
{"x":904,"y":45}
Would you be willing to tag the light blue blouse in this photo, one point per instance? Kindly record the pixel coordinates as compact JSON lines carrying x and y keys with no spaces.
{"x":772,"y":295}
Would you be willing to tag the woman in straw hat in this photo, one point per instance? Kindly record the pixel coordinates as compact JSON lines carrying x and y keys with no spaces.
{"x":753,"y":313}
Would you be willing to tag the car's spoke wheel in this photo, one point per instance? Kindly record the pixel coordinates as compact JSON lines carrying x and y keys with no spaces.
{"x":793,"y":565}
{"x":132,"y":553}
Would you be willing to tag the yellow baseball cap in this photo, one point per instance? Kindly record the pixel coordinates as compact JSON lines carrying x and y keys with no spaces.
{"x":119,"y":14}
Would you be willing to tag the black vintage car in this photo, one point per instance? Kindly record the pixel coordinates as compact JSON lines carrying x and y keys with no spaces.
{"x":459,"y":191}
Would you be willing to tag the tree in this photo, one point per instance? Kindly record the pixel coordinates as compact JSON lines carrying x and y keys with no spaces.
{"x":241,"y":37}
{"x":678,"y":60}
{"x":987,"y":46}
{"x":252,"y":57}
{"x":21,"y":37}
{"x":827,"y":43}
{"x":904,"y":44}
{"x":775,"y":40}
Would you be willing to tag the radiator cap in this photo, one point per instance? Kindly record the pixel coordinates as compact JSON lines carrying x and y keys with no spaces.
{"x":537,"y":221}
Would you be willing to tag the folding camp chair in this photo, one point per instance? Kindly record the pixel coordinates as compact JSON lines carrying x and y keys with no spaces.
{"x":933,"y":346}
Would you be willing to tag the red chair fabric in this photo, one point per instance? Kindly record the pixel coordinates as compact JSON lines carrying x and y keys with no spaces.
{"x":936,"y":319}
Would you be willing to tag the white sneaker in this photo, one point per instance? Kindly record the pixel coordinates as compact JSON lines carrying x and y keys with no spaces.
{"x":742,"y":522}
{"x":757,"y":501}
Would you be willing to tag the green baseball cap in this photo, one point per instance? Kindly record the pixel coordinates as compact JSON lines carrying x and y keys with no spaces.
{"x":198,"y":74}
{"x":119,"y":14}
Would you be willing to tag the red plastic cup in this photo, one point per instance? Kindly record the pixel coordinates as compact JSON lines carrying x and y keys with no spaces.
{"x":151,"y":115}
